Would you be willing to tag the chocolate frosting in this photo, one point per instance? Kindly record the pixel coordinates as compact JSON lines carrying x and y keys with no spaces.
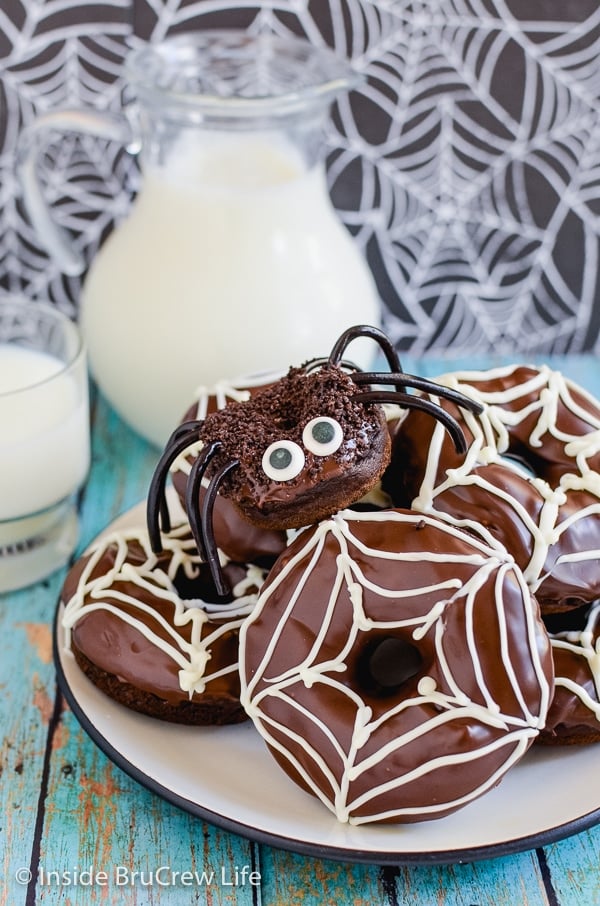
{"x":234,"y":535}
{"x":406,"y":743}
{"x":151,"y":621}
{"x":574,"y":715}
{"x":528,"y":482}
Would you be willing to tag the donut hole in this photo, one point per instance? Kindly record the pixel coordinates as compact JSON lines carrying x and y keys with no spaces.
{"x":202,"y":587}
{"x":572,"y":620}
{"x":387,"y":663}
{"x":522,"y":465}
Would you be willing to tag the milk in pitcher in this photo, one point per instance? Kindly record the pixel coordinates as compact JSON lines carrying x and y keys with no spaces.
{"x":231,"y":261}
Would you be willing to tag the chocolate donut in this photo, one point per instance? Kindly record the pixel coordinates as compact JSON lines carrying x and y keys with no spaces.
{"x":529,"y":480}
{"x":574,"y":714}
{"x":395,"y":667}
{"x":146,"y":630}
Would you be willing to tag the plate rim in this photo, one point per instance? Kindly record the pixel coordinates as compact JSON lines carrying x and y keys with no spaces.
{"x":301,"y":847}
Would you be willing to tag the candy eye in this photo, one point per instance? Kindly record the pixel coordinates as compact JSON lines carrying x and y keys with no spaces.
{"x":283,"y":460}
{"x":322,"y":436}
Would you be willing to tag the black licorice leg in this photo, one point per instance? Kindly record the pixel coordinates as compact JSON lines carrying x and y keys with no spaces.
{"x":419,"y":383}
{"x":372,"y":333}
{"x":409,"y":401}
{"x":206,"y":517}
{"x":157,"y":511}
{"x":317,"y":364}
{"x":192,"y":491}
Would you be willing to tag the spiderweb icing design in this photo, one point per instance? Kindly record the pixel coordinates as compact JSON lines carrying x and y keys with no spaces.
{"x":562,"y":422}
{"x":400,"y":756}
{"x":207,"y":622}
{"x":584,"y":644}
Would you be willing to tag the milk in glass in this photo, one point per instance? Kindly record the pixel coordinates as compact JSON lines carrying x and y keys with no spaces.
{"x":44,"y":436}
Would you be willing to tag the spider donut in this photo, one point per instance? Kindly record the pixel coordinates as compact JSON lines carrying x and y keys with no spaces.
{"x":312,"y":443}
{"x":396,"y":667}
{"x":546,"y":514}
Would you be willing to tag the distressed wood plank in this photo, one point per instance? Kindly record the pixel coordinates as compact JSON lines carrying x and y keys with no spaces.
{"x":289,"y":879}
{"x":574,"y":868}
{"x":27,"y":676}
{"x":27,"y":684}
{"x":584,"y":369}
{"x":492,"y":882}
{"x":98,"y":818}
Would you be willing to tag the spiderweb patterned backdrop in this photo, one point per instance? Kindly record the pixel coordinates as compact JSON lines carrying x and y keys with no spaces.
{"x":467,"y":165}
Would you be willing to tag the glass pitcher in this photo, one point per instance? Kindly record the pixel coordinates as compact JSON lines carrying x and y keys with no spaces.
{"x":232,"y":259}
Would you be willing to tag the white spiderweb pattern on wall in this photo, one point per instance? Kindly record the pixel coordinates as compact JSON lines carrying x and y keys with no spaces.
{"x":467,"y":165}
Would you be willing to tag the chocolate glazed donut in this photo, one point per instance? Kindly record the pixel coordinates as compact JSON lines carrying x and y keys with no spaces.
{"x":574,"y":714}
{"x":395,"y":668}
{"x":151,"y":632}
{"x":529,"y":480}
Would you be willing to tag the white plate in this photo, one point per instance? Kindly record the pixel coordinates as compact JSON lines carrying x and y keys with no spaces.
{"x":226,"y":776}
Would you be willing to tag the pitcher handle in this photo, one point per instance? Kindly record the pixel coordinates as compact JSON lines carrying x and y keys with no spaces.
{"x":32,"y":139}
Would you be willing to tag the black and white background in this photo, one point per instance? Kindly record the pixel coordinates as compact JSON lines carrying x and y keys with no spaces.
{"x":467,"y":166}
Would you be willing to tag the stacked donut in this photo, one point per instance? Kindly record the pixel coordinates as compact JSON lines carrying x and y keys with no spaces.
{"x":529,"y":483}
{"x":392,"y":655}
{"x":395,"y":667}
{"x":574,"y":715}
{"x":151,"y":633}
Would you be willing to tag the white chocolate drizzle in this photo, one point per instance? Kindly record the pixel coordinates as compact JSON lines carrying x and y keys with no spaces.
{"x":102,"y":593}
{"x":503,"y":411}
{"x":585,"y":644}
{"x":438,"y":699}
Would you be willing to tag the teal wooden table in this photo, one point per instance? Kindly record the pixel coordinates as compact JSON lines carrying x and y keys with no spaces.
{"x":66,"y":809}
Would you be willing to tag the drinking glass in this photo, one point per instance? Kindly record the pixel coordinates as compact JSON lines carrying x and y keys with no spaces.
{"x":44,"y":439}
